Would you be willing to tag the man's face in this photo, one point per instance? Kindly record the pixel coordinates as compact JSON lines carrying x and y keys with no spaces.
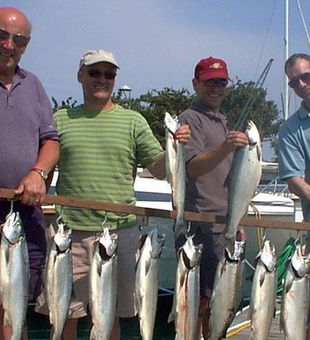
{"x":12,"y":24}
{"x":211,"y":92}
{"x":299,"y":79}
{"x":97,"y":81}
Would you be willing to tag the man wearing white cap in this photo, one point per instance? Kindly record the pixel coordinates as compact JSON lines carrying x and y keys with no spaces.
{"x":101,"y":145}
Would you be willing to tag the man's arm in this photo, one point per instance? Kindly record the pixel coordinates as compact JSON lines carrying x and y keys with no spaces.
{"x":158,"y":166}
{"x":298,"y":186}
{"x":32,"y":187}
{"x":208,"y":160}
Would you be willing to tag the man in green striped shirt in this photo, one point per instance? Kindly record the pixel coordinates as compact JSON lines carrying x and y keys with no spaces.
{"x":101,"y":145}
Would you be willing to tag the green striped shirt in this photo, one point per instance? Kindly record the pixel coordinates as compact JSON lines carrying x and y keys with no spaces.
{"x":99,"y":155}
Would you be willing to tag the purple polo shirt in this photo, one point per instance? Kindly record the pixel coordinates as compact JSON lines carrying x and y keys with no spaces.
{"x":208,"y":193}
{"x":26,"y":121}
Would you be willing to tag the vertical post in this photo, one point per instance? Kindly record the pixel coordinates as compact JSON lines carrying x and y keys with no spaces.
{"x":286,"y":55}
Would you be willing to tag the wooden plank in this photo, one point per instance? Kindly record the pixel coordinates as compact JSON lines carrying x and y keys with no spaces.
{"x":150,"y":212}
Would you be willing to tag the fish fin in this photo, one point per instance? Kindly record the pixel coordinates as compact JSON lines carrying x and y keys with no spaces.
{"x":262,"y":278}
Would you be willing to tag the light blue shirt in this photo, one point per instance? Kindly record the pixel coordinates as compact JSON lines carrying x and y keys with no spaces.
{"x":294,"y":149}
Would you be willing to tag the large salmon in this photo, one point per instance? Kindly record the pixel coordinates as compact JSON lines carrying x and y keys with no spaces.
{"x":146,"y":290}
{"x":59,"y":279}
{"x":175,"y":171}
{"x":103,"y":286}
{"x":14,"y":274}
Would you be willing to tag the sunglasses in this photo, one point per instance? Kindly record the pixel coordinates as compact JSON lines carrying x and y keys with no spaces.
{"x":294,"y":83}
{"x":18,"y":39}
{"x":94,"y":73}
{"x":215,"y":82}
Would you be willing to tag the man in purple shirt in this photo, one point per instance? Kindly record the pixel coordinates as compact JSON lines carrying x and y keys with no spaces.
{"x":28,"y":139}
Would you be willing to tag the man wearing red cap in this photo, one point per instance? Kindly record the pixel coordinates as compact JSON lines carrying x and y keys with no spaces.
{"x":208,"y":160}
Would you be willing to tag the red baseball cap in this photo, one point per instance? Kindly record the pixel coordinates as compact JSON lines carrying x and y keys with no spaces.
{"x":211,"y":68}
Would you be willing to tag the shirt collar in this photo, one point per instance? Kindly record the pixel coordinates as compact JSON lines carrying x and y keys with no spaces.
{"x":303,"y":112}
{"x":200,"y":107}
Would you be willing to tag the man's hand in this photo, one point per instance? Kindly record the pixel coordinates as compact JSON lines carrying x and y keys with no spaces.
{"x":236,"y":139}
{"x":31,"y":189}
{"x":183,"y":134}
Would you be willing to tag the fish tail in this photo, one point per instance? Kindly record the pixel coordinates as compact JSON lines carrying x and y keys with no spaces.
{"x":180,"y":227}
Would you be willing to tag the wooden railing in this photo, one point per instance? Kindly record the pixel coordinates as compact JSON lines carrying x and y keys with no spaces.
{"x":150,"y":212}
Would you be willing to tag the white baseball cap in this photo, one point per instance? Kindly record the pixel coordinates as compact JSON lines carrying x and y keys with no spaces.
{"x":98,"y":56}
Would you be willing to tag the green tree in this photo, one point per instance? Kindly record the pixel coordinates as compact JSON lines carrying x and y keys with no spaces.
{"x":68,"y":103}
{"x":155,"y":103}
{"x":244,"y":100}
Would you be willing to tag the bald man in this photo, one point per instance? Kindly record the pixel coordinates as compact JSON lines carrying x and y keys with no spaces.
{"x":29,"y":145}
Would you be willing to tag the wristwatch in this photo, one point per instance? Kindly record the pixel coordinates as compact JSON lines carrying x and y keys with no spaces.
{"x":41,"y":172}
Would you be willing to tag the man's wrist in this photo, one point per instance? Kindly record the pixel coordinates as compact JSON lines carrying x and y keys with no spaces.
{"x":41,"y":172}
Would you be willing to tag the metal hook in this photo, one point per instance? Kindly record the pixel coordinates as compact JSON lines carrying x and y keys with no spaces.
{"x":12,"y":206}
{"x":104,"y":220}
{"x":59,"y":218}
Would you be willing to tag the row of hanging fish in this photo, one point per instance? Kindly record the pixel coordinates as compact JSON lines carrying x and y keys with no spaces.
{"x":14,"y":274}
{"x":295,"y":296}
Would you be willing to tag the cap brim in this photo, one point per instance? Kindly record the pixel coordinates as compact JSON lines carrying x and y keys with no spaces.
{"x":216,"y":75}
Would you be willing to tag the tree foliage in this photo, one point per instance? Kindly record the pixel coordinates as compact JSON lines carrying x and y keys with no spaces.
{"x":155,"y":103}
{"x":68,"y":103}
{"x":243,"y":99}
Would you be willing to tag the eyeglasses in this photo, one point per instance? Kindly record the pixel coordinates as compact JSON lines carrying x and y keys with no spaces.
{"x":18,"y":39}
{"x":294,"y":83}
{"x":94,"y":73}
{"x":215,"y":82}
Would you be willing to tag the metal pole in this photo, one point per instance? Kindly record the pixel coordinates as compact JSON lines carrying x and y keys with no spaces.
{"x":286,"y":55}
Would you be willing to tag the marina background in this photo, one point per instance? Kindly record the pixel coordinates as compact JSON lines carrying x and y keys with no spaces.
{"x":158,"y":43}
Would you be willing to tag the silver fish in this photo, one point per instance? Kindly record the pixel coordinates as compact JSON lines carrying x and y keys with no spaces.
{"x":146,"y":289}
{"x":14,"y":275}
{"x":187,"y":291}
{"x":226,"y":295}
{"x":264,"y":292}
{"x":59,"y":279}
{"x":243,"y":179}
{"x":175,"y":171}
{"x":295,"y":299}
{"x":103,"y":286}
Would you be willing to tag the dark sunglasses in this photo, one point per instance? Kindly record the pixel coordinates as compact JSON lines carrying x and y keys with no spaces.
{"x":294,"y":83}
{"x":94,"y":73}
{"x":215,"y":82}
{"x":18,"y":39}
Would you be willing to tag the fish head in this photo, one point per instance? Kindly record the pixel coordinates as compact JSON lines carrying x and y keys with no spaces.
{"x":252,"y":133}
{"x":62,"y":238}
{"x":268,"y":255}
{"x":299,"y":263}
{"x":238,"y":254}
{"x":109,"y":242}
{"x":171,"y":123}
{"x":191,"y":253}
{"x":12,"y":227}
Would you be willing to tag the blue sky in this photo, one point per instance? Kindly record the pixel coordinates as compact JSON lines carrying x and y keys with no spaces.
{"x":158,"y":42}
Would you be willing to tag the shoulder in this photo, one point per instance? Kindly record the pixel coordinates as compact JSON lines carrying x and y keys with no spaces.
{"x":128,"y":114}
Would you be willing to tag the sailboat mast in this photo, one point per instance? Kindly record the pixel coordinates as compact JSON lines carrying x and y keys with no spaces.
{"x":286,"y":52}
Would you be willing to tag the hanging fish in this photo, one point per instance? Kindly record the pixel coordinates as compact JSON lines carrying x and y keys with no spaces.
{"x":264,"y":292}
{"x":14,"y":274}
{"x":227,"y":292}
{"x":295,"y":297}
{"x":186,"y":297}
{"x":59,"y":279}
{"x":103,"y":286}
{"x":146,"y":290}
